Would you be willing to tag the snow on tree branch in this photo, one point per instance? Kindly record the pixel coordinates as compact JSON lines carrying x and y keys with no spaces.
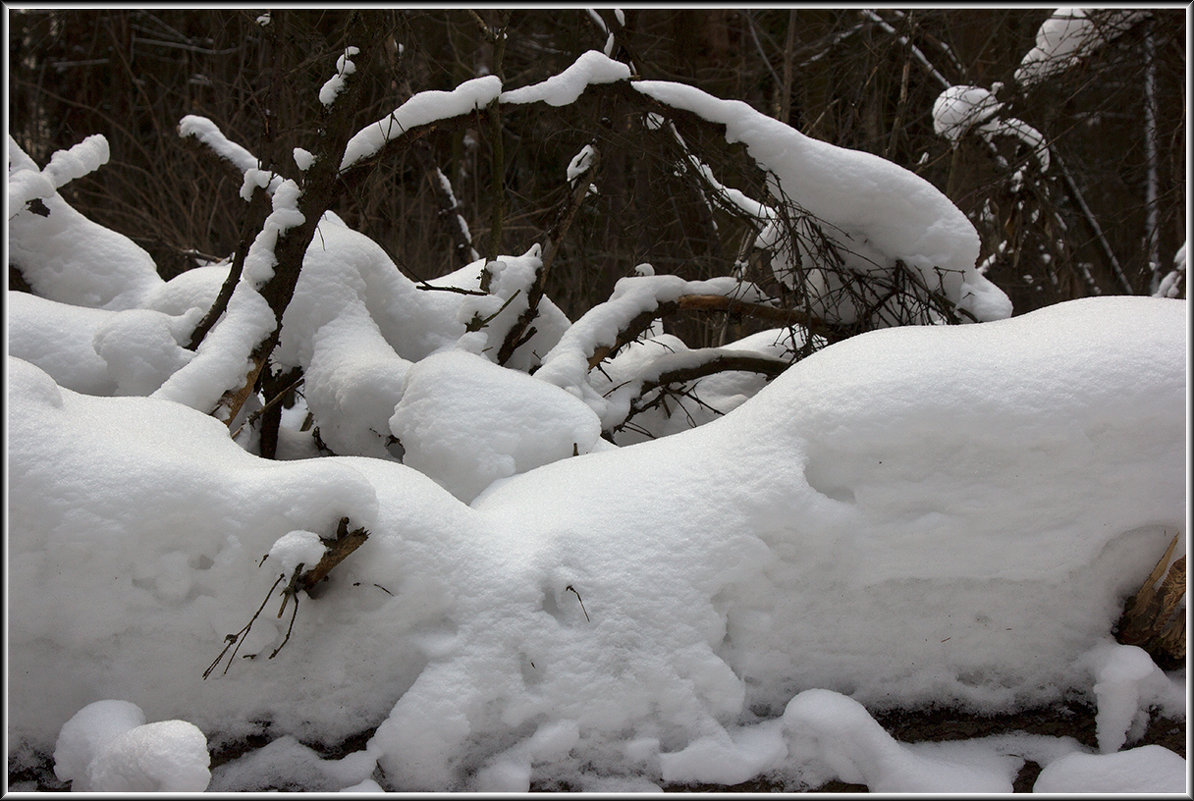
{"x":423,"y":108}
{"x":26,"y":184}
{"x":335,"y":84}
{"x":1070,"y":35}
{"x":210,"y":134}
{"x":562,"y":89}
{"x":877,"y":210}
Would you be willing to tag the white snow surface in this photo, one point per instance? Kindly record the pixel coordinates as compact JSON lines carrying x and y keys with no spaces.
{"x":336,"y":84}
{"x":948,"y":515}
{"x":564,"y":88}
{"x":877,"y":211}
{"x":1147,"y":769}
{"x":108,"y":747}
{"x":421,"y":109}
{"x":210,"y":134}
{"x":1067,"y":37}
{"x":466,"y":422}
{"x":961,"y":109}
{"x":68,"y":258}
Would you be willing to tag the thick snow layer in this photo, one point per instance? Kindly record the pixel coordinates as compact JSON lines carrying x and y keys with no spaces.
{"x":879,"y":212}
{"x":167,"y":756}
{"x":562,"y":89}
{"x":296,"y":548}
{"x":422,"y":109}
{"x":567,"y":363}
{"x":57,"y":338}
{"x":1126,"y":683}
{"x":221,"y":361}
{"x":68,"y":258}
{"x":25,"y":182}
{"x":1148,"y":769}
{"x":939,"y":515}
{"x":960,"y":108}
{"x":90,"y":730}
{"x":466,"y":422}
{"x":210,"y":134}
{"x":622,"y":378}
{"x":839,"y":732}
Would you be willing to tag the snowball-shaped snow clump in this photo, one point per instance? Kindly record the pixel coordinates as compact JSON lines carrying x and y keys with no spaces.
{"x":296,"y":548}
{"x":960,"y":108}
{"x":466,"y":422}
{"x":108,"y":747}
{"x":90,"y":730}
{"x":167,"y":756}
{"x":857,"y":749}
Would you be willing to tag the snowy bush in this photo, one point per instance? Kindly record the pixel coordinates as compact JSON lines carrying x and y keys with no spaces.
{"x":506,"y":590}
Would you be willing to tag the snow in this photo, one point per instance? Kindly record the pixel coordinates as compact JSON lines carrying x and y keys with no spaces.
{"x":877,"y":212}
{"x":210,"y":134}
{"x":567,"y":364}
{"x":839,"y":732}
{"x":961,"y":109}
{"x":108,"y":747}
{"x":303,"y":159}
{"x":564,"y":88}
{"x":942,"y":516}
{"x":68,"y":258}
{"x":1067,"y":37}
{"x":1147,"y":769}
{"x":423,"y":108}
{"x":466,"y":422}
{"x":580,"y":163}
{"x":632,"y":616}
{"x":336,"y":84}
{"x":296,"y":548}
{"x":1126,"y":683}
{"x":1170,"y":285}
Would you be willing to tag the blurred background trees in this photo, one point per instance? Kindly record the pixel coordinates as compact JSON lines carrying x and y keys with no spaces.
{"x":1106,"y":217}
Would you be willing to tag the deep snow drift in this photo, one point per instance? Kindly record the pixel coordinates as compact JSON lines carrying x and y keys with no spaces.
{"x":913,"y":516}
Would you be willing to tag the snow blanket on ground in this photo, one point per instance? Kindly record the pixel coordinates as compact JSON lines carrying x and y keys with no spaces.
{"x":948,"y":515}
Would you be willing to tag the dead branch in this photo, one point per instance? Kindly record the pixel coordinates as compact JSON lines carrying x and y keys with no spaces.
{"x":555,"y":235}
{"x":637,"y":325}
{"x":337,"y":551}
{"x":259,"y":208}
{"x":1153,"y":618}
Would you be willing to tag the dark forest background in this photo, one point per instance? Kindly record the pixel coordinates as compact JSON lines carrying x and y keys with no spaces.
{"x":859,"y":79}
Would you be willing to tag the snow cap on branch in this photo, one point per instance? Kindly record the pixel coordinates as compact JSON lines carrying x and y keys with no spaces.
{"x":1068,"y":36}
{"x":423,"y":108}
{"x":210,"y":134}
{"x":560,"y":90}
{"x":335,"y":84}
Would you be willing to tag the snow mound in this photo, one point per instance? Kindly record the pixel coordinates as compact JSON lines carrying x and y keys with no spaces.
{"x":466,"y":422}
{"x":107,"y":747}
{"x":935,"y":515}
{"x":843,"y":735}
{"x":1148,"y":769}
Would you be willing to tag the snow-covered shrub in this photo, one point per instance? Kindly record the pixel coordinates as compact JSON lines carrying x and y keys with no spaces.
{"x":530,"y":597}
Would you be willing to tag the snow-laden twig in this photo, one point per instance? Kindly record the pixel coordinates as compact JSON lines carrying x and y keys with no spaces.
{"x":335,"y":84}
{"x":25,"y":185}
